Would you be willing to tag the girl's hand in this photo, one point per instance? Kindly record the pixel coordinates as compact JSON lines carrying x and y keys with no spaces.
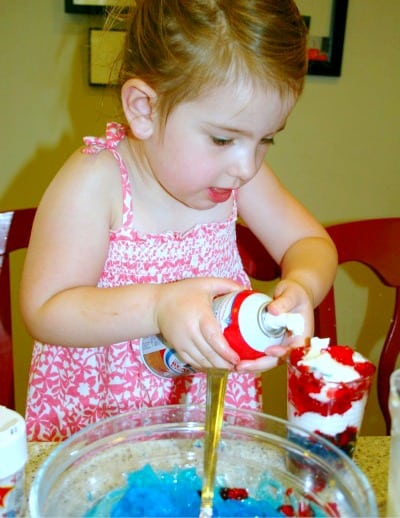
{"x":185,"y":318}
{"x":289,"y":297}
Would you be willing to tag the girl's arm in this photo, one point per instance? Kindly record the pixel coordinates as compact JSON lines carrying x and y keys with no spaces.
{"x":60,"y":301}
{"x":296,"y":241}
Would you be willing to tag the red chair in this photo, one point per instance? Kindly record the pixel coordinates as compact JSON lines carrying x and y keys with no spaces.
{"x":356,"y":241}
{"x":374,"y":243}
{"x":15,"y":231}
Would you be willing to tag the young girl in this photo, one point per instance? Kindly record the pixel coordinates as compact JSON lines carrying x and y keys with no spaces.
{"x":135,"y":236}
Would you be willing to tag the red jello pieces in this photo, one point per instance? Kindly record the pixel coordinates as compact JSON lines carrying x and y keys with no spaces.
{"x":344,"y":355}
{"x":305,"y":509}
{"x":287,"y":510}
{"x":233,"y":493}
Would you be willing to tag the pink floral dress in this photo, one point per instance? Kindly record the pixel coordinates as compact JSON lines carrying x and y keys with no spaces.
{"x":71,"y":387}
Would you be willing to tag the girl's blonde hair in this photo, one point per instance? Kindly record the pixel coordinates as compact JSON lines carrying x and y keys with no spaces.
{"x":183,"y":47}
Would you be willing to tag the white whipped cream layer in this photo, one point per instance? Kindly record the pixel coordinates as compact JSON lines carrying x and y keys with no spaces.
{"x":322,"y":365}
{"x":331,"y":424}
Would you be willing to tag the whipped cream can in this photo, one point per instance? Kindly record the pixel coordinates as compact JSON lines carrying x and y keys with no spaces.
{"x":13,"y":457}
{"x":162,"y":360}
{"x":245,"y":323}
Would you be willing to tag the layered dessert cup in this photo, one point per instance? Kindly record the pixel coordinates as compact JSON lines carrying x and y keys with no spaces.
{"x":328,"y":387}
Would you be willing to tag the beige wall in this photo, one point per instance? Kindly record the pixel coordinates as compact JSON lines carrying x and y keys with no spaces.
{"x":339,"y":153}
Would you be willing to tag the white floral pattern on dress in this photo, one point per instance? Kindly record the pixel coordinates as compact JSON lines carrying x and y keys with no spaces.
{"x":70,"y":387}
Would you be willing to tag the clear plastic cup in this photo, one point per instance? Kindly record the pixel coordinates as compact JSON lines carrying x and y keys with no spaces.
{"x":332,"y":409}
{"x":393,"y":503}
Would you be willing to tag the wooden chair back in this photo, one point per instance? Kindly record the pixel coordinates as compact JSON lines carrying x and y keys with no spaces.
{"x":15,"y":231}
{"x":376,"y":244}
{"x":372,"y":242}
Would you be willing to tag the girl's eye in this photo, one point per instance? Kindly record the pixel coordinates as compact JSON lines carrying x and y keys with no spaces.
{"x":220,"y":141}
{"x":268,"y":141}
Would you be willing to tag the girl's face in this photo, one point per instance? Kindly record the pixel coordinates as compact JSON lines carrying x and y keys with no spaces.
{"x":215,"y":143}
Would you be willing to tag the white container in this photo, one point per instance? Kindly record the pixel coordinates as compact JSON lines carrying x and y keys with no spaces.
{"x":393,"y":501}
{"x":13,"y":457}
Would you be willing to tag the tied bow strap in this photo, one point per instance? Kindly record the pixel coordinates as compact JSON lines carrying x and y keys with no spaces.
{"x":114,"y":134}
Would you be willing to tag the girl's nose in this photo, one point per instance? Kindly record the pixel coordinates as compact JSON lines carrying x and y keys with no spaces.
{"x":245,"y":167}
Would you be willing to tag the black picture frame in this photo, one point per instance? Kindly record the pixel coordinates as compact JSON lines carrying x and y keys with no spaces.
{"x":82,"y":7}
{"x":335,"y":43}
{"x":330,"y":66}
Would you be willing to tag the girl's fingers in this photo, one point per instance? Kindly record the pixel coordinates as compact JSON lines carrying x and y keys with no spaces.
{"x":260,"y":365}
{"x":276,"y":350}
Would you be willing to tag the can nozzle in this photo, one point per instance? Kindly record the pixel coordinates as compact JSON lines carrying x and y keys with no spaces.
{"x":276,"y":325}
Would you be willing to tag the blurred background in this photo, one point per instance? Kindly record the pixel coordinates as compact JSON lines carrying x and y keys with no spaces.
{"x":338,"y":154}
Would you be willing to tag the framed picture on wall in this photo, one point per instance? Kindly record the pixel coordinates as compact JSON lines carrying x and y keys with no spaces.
{"x":90,"y":6}
{"x":326,"y":23}
{"x":325,"y":20}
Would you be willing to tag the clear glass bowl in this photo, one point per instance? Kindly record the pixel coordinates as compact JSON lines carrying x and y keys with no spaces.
{"x":256,"y":450}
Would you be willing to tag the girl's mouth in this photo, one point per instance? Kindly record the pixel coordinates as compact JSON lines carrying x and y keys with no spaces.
{"x":218,"y":194}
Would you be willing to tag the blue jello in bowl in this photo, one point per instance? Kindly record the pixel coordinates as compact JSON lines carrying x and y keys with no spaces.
{"x":149,"y":462}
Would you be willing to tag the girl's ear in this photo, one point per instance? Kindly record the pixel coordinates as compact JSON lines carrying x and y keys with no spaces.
{"x":138,"y":101}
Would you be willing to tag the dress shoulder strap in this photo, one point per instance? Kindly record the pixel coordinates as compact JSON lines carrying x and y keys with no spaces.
{"x":115,"y":132}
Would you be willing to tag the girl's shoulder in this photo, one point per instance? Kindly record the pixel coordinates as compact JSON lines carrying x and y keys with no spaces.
{"x":99,"y":158}
{"x":98,"y":166}
{"x":93,"y":179}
